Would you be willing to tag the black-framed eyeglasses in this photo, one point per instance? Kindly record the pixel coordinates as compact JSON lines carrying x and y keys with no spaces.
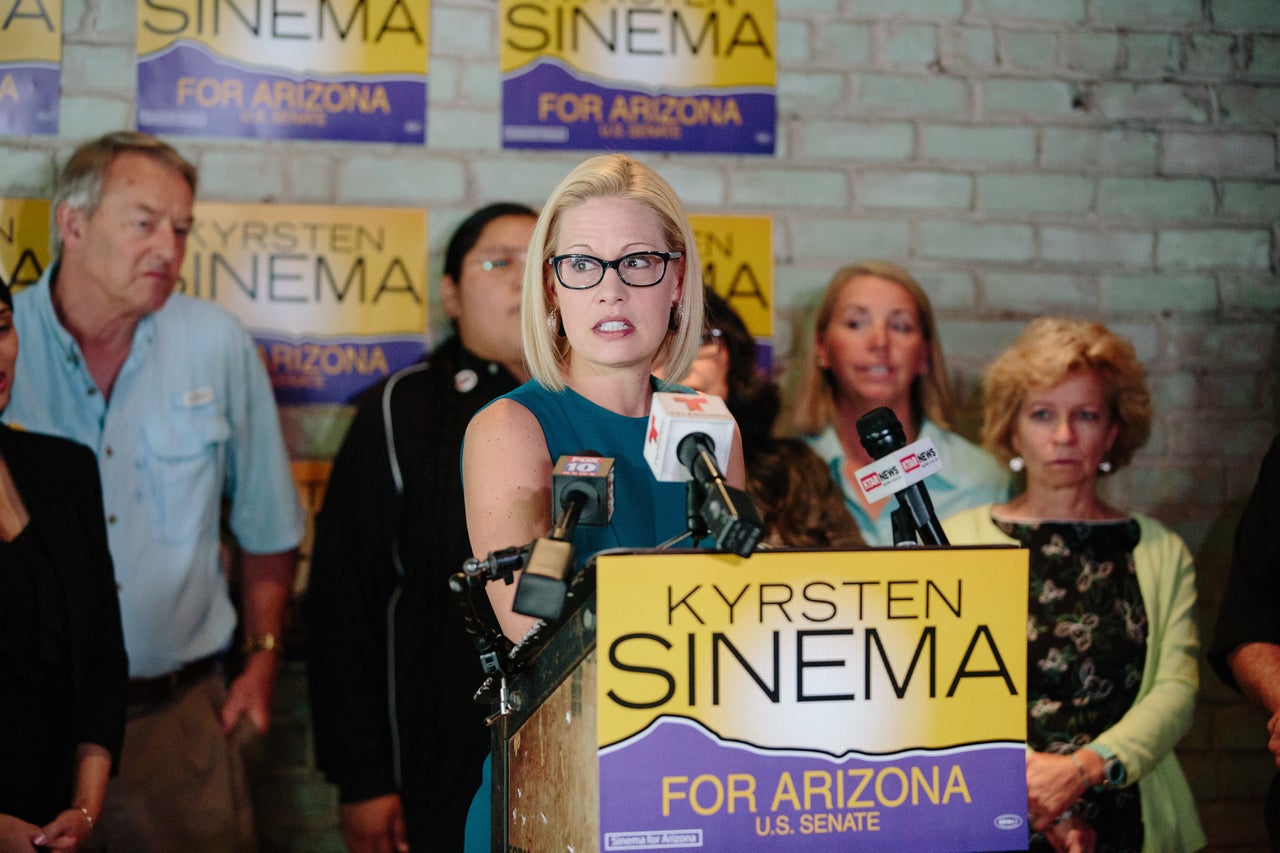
{"x":638,"y":269}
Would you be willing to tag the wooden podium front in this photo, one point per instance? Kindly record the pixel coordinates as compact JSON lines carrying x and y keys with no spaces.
{"x":792,"y":700}
{"x":545,"y":786}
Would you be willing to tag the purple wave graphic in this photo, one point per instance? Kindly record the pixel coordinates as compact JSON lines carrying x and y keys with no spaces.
{"x":35,"y":110}
{"x":187,"y":91}
{"x":677,"y":786}
{"x":333,"y":370}
{"x":666,"y":121}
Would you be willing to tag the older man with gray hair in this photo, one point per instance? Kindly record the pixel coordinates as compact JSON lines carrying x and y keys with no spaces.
{"x":171,"y":395}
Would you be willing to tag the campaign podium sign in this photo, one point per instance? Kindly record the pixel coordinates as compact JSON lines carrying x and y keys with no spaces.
{"x":793,"y":700}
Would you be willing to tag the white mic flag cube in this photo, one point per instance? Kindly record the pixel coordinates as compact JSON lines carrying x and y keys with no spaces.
{"x":673,"y":416}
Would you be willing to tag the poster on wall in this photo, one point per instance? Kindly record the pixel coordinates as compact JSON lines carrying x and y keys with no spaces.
{"x":30,"y":67}
{"x":813,"y":700}
{"x":24,"y":240}
{"x":335,"y":297}
{"x":737,"y":263}
{"x":631,"y":74}
{"x":348,"y":70}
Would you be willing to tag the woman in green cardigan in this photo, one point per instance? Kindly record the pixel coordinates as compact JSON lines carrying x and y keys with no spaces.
{"x":1111,"y":663}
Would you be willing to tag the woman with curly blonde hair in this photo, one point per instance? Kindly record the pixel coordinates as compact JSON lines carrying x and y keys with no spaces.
{"x":1112,"y":673}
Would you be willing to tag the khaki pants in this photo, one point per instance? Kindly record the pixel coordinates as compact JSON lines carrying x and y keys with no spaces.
{"x":182,"y":784}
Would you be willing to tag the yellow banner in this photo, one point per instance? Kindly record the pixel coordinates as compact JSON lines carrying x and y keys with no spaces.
{"x":684,"y":44}
{"x":311,"y":270}
{"x":336,"y":297}
{"x":24,"y":240}
{"x":737,"y":261}
{"x":309,"y":36}
{"x":874,"y":651}
{"x":30,"y":31}
{"x":813,"y":701}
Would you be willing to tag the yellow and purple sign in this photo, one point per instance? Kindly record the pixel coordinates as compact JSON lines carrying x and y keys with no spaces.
{"x":813,"y":700}
{"x":631,"y":74}
{"x":352,"y":70}
{"x":30,"y":66}
{"x":737,"y":262}
{"x":24,"y":240}
{"x":336,"y":297}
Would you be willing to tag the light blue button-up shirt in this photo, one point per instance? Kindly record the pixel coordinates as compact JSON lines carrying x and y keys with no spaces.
{"x":969,"y":477}
{"x":191,"y":421}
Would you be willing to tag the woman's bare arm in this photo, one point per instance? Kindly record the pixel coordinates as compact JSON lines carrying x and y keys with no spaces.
{"x":506,"y":473}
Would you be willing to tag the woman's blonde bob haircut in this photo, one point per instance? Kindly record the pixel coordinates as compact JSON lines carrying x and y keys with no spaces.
{"x":1048,"y":351}
{"x":814,"y":406}
{"x":609,"y":176}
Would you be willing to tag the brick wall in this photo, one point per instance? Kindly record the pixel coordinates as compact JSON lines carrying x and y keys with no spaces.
{"x":1107,"y":158}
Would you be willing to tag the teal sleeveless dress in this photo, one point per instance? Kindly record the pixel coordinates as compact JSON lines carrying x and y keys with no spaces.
{"x":646,"y":512}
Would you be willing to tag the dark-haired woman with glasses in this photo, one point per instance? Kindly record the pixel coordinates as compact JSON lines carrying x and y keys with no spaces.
{"x":612,"y":292}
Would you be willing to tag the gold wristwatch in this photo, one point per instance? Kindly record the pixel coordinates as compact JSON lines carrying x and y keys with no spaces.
{"x":262,"y":643}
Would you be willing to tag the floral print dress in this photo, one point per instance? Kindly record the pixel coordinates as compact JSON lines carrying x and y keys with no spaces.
{"x":1087,"y":644}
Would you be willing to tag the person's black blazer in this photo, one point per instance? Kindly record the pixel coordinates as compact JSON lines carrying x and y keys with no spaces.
{"x":60,"y":486}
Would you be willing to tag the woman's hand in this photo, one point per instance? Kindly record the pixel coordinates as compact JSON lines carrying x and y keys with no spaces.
{"x":16,"y":835}
{"x":1071,"y":835}
{"x":67,"y":831}
{"x":374,"y":826}
{"x":1053,"y":785}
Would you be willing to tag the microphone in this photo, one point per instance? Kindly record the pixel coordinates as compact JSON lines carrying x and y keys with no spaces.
{"x":672,"y":416}
{"x":899,"y":469}
{"x":581,"y":493}
{"x":728,"y":513}
{"x":585,"y":482}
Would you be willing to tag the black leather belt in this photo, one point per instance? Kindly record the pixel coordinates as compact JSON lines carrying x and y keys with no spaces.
{"x":153,"y":691}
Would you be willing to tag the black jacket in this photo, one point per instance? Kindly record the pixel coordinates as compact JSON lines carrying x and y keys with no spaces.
{"x":59,"y":484}
{"x":380,"y":620}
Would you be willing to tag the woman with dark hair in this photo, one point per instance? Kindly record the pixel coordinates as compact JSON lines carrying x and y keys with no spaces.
{"x":800,"y":504}
{"x":875,"y":343}
{"x":1111,"y":668}
{"x":392,"y":669}
{"x":62,"y":661}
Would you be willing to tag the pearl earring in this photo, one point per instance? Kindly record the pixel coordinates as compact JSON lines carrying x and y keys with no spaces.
{"x":1017,"y":463}
{"x":1104,"y":467}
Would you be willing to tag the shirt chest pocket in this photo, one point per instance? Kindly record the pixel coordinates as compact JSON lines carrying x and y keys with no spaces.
{"x":183,"y":468}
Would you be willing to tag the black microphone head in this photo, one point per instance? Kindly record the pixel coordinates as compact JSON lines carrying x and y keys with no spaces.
{"x":693,"y":444}
{"x":589,"y":476}
{"x":881,"y":432}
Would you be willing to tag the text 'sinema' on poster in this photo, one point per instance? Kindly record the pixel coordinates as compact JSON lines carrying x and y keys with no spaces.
{"x":335,"y":297}
{"x":797,"y":700}
{"x":341,"y":70}
{"x":599,"y":74}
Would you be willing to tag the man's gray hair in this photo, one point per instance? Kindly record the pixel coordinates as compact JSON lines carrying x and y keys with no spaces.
{"x":80,"y":183}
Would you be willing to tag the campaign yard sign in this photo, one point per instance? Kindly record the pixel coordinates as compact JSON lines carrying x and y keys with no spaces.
{"x":813,"y":700}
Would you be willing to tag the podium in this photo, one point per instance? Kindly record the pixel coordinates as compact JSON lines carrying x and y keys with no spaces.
{"x":793,"y":700}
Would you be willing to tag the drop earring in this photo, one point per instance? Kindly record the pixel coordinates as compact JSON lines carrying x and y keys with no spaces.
{"x":555,"y":323}
{"x":1017,"y":463}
